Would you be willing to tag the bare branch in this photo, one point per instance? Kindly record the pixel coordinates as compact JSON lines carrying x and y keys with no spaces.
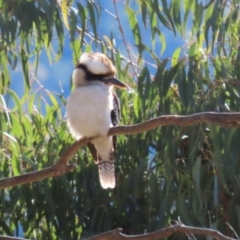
{"x":10,"y":238}
{"x":163,"y":233}
{"x":61,"y":166}
{"x":220,"y":119}
{"x":58,"y":169}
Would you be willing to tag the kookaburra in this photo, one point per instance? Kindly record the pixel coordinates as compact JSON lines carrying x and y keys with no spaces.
{"x":93,"y":108}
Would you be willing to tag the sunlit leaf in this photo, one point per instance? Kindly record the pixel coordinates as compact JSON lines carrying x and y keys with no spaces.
{"x":64,"y":8}
{"x":93,"y":19}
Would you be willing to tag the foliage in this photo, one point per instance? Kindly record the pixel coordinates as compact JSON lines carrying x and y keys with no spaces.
{"x":189,"y":173}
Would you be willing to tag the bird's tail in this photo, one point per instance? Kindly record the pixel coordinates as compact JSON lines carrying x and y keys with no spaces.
{"x":106,"y":173}
{"x":104,"y":157}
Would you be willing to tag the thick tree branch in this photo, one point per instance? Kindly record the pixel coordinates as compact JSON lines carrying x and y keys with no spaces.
{"x":220,"y":119}
{"x":61,"y":167}
{"x":160,"y":234}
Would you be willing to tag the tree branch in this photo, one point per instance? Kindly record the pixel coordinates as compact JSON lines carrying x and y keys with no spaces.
{"x":10,"y":238}
{"x":163,"y":233}
{"x":220,"y":119}
{"x":61,"y":166}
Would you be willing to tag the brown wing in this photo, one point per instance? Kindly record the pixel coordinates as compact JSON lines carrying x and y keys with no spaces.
{"x":115,"y":113}
{"x":115,"y":117}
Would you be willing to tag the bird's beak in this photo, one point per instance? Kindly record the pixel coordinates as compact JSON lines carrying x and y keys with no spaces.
{"x":116,"y":83}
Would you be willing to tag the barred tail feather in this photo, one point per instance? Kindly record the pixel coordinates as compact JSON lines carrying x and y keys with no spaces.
{"x":106,"y":174}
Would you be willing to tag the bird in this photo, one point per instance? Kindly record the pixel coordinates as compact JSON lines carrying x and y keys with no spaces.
{"x":93,"y":108}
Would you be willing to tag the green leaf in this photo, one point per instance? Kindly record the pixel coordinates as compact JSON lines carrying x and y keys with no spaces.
{"x":196,"y":172}
{"x":64,"y":8}
{"x":169,"y":76}
{"x":162,"y":19}
{"x":5,"y":109}
{"x":24,"y":60}
{"x":15,"y":153}
{"x":181,"y":80}
{"x":188,"y":5}
{"x":82,"y":14}
{"x":163,"y":42}
{"x":175,"y":56}
{"x":135,"y":28}
{"x":181,"y":205}
{"x":92,"y":18}
{"x":192,"y":50}
{"x":144,"y":12}
{"x":198,"y":13}
{"x":167,"y":12}
{"x":29,"y":162}
{"x":18,"y":106}
{"x":176,"y":12}
{"x":5,"y":77}
{"x":136,"y":105}
{"x":60,"y":34}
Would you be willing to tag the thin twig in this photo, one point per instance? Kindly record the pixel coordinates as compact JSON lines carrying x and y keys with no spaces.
{"x":232,"y":230}
{"x":123,"y":36}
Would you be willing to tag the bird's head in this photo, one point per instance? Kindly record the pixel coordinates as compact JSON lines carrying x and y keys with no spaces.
{"x":95,"y":67}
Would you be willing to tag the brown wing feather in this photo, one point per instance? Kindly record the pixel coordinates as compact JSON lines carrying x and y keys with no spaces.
{"x":115,"y":113}
{"x":115,"y":117}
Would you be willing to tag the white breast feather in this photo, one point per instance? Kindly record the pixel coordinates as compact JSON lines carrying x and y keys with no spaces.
{"x":88,"y":111}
